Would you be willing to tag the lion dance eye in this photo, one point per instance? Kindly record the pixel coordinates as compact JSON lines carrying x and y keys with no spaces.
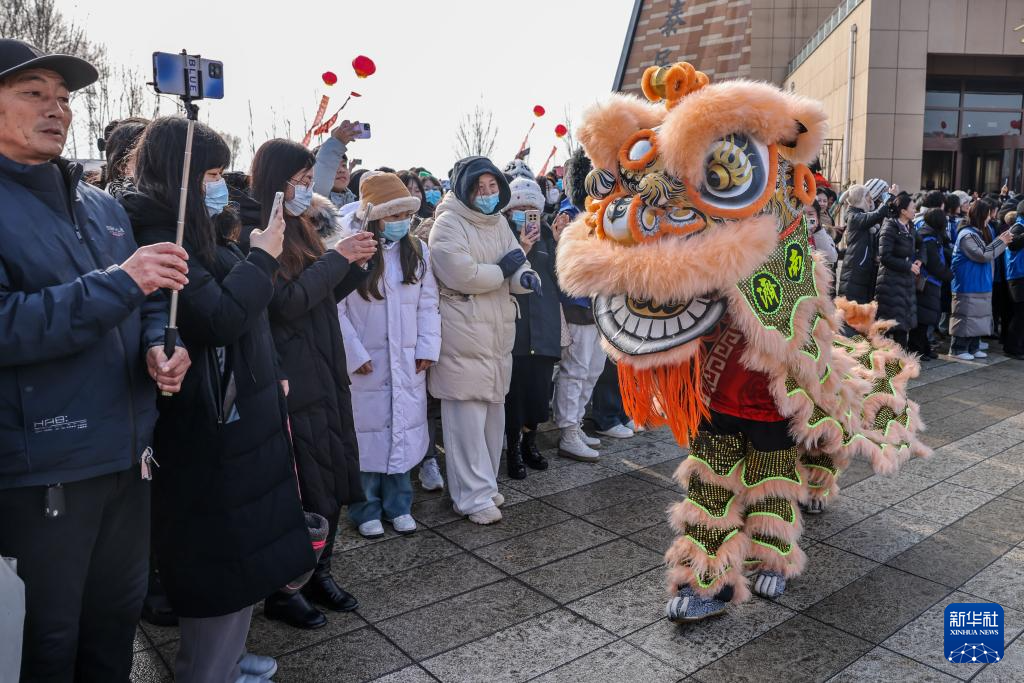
{"x":735,"y":172}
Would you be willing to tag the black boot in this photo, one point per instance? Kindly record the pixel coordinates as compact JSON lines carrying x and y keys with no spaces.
{"x":516,"y":468}
{"x":156,"y":608}
{"x":325,"y":591}
{"x":293,"y":610}
{"x":531,"y":454}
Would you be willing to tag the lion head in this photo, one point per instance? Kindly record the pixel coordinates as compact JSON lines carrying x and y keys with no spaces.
{"x":687,"y":200}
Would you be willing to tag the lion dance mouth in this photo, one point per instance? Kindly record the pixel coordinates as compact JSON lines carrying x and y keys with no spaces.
{"x":636,"y":326}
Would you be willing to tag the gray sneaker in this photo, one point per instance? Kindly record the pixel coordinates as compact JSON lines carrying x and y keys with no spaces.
{"x":769,"y":584}
{"x":687,"y":607}
{"x":430,"y":475}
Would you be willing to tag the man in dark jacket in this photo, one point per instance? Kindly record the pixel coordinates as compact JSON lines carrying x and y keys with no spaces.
{"x":78,"y":331}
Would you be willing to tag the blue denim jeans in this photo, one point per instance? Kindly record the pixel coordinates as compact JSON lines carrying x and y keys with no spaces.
{"x":606,"y":408}
{"x":387,"y":496}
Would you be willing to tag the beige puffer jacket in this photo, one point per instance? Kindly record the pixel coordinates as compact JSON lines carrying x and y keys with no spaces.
{"x":478,"y":312}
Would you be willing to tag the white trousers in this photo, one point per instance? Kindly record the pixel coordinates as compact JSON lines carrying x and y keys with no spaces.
{"x":581,"y":366}
{"x":472,"y":444}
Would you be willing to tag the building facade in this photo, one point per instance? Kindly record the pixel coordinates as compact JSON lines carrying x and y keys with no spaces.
{"x":923,"y":93}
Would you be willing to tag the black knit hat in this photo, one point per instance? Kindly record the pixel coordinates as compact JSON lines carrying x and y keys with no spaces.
{"x":576,"y":169}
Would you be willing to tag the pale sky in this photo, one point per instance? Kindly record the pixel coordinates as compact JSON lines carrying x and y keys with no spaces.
{"x":435,"y":62}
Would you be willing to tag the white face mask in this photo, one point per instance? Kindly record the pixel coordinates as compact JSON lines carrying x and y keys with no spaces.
{"x":300,"y":201}
{"x":553,"y":195}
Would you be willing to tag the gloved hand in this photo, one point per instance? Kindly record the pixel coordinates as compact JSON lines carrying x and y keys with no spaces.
{"x":531,"y":281}
{"x":511,"y":262}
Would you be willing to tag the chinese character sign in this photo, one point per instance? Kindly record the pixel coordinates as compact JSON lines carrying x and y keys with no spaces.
{"x":973,"y":633}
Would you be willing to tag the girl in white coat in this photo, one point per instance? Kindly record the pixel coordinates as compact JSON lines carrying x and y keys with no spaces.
{"x":392,"y":330}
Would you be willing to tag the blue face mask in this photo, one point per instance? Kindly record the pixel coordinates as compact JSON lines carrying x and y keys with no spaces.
{"x":216,"y":196}
{"x":433,"y":197}
{"x":486,"y":203}
{"x":558,"y":184}
{"x":396,"y":230}
{"x":297,"y":205}
{"x":519,"y":218}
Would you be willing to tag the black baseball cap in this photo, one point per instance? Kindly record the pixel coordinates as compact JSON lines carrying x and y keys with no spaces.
{"x":17,"y":55}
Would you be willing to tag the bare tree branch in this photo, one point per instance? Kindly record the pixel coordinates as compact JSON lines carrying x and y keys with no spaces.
{"x":476,"y":134}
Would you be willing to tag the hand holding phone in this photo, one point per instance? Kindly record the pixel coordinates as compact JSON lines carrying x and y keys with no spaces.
{"x":345,"y":132}
{"x":271,"y":238}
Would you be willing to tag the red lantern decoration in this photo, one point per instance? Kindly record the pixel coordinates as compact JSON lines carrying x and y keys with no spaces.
{"x":363,"y":66}
{"x":538,"y":111}
{"x":330,"y":78}
{"x":942,"y":125}
{"x":1015,"y":124}
{"x":560,"y":131}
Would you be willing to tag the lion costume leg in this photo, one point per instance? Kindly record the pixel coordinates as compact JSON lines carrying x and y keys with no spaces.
{"x":773,"y":489}
{"x":706,"y":561}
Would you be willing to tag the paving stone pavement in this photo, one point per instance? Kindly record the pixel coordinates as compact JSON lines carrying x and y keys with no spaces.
{"x":570,"y":587}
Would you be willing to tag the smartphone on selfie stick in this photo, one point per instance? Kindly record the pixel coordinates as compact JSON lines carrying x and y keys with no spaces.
{"x":191,"y":78}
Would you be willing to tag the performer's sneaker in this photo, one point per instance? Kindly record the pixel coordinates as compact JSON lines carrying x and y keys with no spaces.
{"x":769,"y":584}
{"x":687,"y":607}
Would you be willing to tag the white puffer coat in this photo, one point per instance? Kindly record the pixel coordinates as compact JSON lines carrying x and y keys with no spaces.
{"x":390,"y":404}
{"x":478,"y":313}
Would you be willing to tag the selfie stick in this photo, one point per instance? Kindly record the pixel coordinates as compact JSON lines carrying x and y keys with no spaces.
{"x":171,"y":331}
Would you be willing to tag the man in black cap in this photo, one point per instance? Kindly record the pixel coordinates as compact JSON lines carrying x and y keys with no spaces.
{"x":81,"y":331}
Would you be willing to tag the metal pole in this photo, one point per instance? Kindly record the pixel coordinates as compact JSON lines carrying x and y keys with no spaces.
{"x":849,"y":106}
{"x":171,"y":331}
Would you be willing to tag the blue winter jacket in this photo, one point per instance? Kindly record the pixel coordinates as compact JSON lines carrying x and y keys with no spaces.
{"x":969,"y":277}
{"x":76,"y":401}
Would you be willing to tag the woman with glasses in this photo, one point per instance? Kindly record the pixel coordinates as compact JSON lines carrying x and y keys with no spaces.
{"x":304,"y":320}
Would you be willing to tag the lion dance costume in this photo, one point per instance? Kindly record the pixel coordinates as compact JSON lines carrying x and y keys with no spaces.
{"x":695,"y":253}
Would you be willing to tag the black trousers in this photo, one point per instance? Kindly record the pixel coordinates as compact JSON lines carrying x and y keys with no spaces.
{"x":85,"y":576}
{"x":1015,"y":330}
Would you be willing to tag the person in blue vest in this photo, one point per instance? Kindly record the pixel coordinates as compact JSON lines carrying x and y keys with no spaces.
{"x":973,"y":254}
{"x":1014,"y":256}
{"x":936,"y":275}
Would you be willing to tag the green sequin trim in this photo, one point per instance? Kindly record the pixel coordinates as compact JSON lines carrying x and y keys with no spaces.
{"x":706,"y":581}
{"x":820,"y":461}
{"x":710,"y":540}
{"x":772,"y":543}
{"x":711,"y":498}
{"x":883,"y":385}
{"x":773,"y":507}
{"x":762,"y":466}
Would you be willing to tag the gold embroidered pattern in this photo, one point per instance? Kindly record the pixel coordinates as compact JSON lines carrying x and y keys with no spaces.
{"x":763,"y":465}
{"x":711,"y":498}
{"x":720,"y":452}
{"x":709,"y":539}
{"x":776,"y":507}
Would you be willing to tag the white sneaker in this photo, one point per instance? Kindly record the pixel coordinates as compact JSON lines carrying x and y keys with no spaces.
{"x":371,"y":529}
{"x":965,"y":356}
{"x":486,"y":516}
{"x":617,"y":432}
{"x":571,"y":445}
{"x":404,"y":524}
{"x":498,"y":499}
{"x":983,"y":346}
{"x":980,"y":354}
{"x":430,"y":475}
{"x":587,"y":439}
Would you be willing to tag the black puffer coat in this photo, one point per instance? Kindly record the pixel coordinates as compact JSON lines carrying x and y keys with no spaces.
{"x":935,"y":265}
{"x":304,"y":320}
{"x":895,"y":291}
{"x":539,"y":325}
{"x":857,"y":277}
{"x":228,"y":525}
